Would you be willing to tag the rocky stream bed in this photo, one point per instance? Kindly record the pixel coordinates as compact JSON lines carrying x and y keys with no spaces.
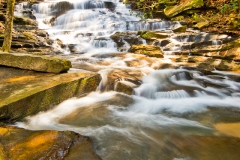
{"x":154,"y":89}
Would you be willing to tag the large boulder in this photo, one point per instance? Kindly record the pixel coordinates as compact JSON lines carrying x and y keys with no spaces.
{"x":25,"y":93}
{"x":17,"y":143}
{"x":148,"y":50}
{"x":35,"y":62}
{"x":129,"y":37}
{"x":183,"y":5}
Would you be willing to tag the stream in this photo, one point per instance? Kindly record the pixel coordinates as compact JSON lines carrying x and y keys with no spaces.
{"x":174,"y":113}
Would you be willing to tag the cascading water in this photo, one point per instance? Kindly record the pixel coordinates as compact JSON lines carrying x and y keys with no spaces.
{"x":173,"y":114}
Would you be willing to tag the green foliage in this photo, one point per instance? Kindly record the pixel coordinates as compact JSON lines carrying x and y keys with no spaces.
{"x":231,"y":7}
{"x":148,"y":7}
{"x":196,"y":17}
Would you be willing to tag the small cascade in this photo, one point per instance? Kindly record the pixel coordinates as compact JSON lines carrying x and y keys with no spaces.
{"x":168,"y":109}
{"x":90,"y":17}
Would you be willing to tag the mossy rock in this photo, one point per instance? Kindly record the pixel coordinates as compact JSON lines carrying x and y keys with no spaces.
{"x":228,"y":65}
{"x":121,"y":87}
{"x":29,"y":35}
{"x":35,"y":62}
{"x":26,"y":93}
{"x":202,"y":24}
{"x":180,"y":29}
{"x":171,"y":11}
{"x":148,"y":50}
{"x":152,"y":35}
{"x":25,"y":144}
{"x":24,"y":21}
{"x":231,"y":50}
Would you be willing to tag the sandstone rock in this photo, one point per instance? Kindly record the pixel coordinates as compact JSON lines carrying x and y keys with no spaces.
{"x":231,"y":50}
{"x":130,"y":37}
{"x":34,"y":62}
{"x":180,"y":29}
{"x":228,"y":65}
{"x":201,"y":25}
{"x":152,"y":35}
{"x":26,"y":92}
{"x":171,"y":11}
{"x":196,"y":59}
{"x":123,"y":87}
{"x":149,"y":50}
{"x":18,"y":143}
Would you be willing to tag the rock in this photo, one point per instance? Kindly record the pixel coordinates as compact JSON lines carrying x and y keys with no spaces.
{"x":34,"y":62}
{"x":41,"y":33}
{"x":25,"y":93}
{"x":152,"y":35}
{"x":61,"y":7}
{"x":148,"y":50}
{"x":180,"y":29}
{"x":196,"y":59}
{"x":228,"y":65}
{"x":131,"y":77}
{"x":123,"y":87}
{"x":231,"y":50}
{"x":129,"y":37}
{"x":171,"y":11}
{"x":201,"y":25}
{"x":25,"y":144}
{"x":110,"y":5}
{"x":24,"y":21}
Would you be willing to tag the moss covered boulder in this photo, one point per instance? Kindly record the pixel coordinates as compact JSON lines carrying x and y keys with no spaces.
{"x":25,"y":93}
{"x":19,"y":144}
{"x":202,"y":24}
{"x":171,"y":11}
{"x":148,"y":50}
{"x":35,"y":62}
{"x":152,"y":35}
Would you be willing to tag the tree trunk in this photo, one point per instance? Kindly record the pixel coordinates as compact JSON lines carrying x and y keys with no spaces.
{"x":239,"y":6}
{"x":8,"y":26}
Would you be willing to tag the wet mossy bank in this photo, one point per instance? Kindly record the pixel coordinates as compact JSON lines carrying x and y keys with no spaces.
{"x":25,"y":92}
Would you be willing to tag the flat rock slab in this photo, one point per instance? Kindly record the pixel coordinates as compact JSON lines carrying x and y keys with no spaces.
{"x":17,"y":143}
{"x":43,"y":63}
{"x":25,"y":92}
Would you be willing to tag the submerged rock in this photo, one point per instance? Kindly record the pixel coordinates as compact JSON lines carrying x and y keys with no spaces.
{"x":34,"y":62}
{"x":148,"y":50}
{"x":17,"y":143}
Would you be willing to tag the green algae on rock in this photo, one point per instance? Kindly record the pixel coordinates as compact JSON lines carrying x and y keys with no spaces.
{"x":148,"y":50}
{"x":202,"y":24}
{"x":171,"y":11}
{"x":28,"y":94}
{"x":18,"y":143}
{"x":33,"y":62}
{"x":152,"y":35}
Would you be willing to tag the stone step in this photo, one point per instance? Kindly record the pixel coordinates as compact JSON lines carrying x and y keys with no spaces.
{"x":25,"y":93}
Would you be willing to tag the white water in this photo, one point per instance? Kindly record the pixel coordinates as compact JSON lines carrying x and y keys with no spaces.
{"x":167,"y":101}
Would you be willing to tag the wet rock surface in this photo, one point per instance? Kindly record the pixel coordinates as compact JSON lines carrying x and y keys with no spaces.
{"x":17,"y":143}
{"x":27,"y":92}
{"x":34,"y":62}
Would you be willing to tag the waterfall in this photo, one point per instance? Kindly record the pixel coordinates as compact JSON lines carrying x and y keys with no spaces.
{"x":170,"y":111}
